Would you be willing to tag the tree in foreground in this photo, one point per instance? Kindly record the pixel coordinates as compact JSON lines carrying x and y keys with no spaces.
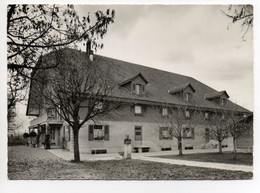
{"x":37,"y":29}
{"x":177,"y":121}
{"x":78,"y":90}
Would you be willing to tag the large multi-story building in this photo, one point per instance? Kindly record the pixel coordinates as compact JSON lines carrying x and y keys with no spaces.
{"x":141,"y":88}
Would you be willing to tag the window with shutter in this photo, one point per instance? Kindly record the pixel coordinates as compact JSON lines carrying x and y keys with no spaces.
{"x":165,"y":133}
{"x":98,"y":132}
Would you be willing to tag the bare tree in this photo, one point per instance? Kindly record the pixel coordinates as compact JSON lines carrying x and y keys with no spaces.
{"x":78,"y":90}
{"x":242,"y":14}
{"x":34,"y":30}
{"x":178,"y":121}
{"x":237,"y":127}
{"x":218,"y":127}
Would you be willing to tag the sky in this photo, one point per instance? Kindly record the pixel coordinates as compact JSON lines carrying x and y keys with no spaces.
{"x":191,"y":40}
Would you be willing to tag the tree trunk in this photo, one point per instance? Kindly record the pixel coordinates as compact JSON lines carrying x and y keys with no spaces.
{"x":235,"y":148}
{"x":219,"y":147}
{"x":180,"y":146}
{"x":76,"y":144}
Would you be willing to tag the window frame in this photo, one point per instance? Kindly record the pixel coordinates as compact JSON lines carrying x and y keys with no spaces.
{"x":190,"y":134}
{"x":94,"y":133}
{"x":135,"y":110}
{"x":141,"y":133}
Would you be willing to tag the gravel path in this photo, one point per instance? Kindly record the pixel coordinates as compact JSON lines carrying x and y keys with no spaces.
{"x":27,"y":163}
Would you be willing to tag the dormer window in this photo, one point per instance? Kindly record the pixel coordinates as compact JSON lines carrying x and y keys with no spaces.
{"x":217,"y":97}
{"x":135,"y":84}
{"x":183,"y":92}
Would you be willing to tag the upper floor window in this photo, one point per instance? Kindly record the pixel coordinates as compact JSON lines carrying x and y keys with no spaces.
{"x":51,"y":112}
{"x":98,"y":132}
{"x":164,"y":111}
{"x":138,"y":109}
{"x":206,"y":116}
{"x":187,"y":114}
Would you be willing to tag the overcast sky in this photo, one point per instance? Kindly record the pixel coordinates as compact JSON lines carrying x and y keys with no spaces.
{"x":191,"y":40}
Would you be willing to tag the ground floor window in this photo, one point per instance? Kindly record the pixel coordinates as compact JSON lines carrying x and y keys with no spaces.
{"x":165,"y":133}
{"x":188,"y":133}
{"x":98,"y":132}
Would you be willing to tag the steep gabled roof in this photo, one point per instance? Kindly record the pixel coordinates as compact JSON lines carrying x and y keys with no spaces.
{"x":180,"y":88}
{"x":216,"y":94}
{"x":125,"y":81}
{"x":159,"y":83}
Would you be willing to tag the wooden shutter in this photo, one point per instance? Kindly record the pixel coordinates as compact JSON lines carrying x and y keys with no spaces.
{"x":143,"y":107}
{"x":160,"y":133}
{"x":106,"y":137}
{"x":91,"y":132}
{"x":192,"y":133}
{"x":170,"y":133}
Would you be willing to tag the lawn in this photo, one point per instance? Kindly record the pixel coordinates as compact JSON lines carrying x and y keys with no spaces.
{"x":26,"y":163}
{"x":227,"y":157}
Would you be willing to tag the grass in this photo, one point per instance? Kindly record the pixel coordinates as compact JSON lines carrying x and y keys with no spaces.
{"x":227,"y":157}
{"x":26,"y":163}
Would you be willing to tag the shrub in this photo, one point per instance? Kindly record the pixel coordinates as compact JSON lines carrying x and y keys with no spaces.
{"x":26,"y":135}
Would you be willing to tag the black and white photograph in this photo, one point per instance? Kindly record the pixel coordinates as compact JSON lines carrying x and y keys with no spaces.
{"x":128,"y":92}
